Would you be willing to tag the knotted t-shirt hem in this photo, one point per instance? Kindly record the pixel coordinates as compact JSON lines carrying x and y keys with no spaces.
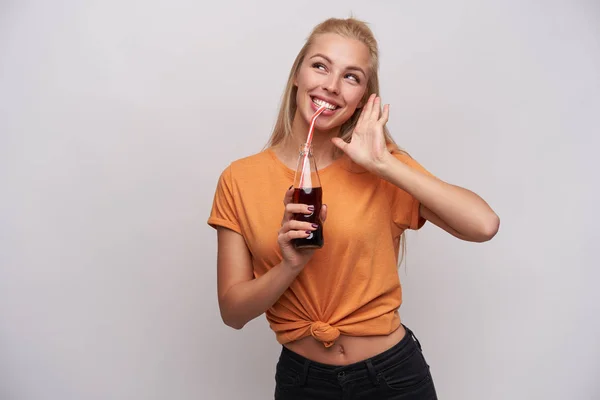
{"x":328,"y":333}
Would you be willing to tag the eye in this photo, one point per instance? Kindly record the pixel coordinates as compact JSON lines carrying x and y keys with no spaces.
{"x":319,"y":66}
{"x":354,"y":77}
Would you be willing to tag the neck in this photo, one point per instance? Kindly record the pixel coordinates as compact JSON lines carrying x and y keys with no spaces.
{"x":323,"y":149}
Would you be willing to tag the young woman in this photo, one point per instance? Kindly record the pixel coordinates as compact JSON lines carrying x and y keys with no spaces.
{"x":334,"y":310}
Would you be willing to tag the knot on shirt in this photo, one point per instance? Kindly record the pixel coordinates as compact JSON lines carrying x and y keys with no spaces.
{"x":324,"y":332}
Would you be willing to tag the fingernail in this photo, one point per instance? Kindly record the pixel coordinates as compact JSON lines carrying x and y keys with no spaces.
{"x":315,"y":226}
{"x":311,"y":208}
{"x":308,"y":232}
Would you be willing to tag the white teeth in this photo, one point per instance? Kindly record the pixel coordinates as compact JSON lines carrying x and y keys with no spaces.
{"x":320,"y":102}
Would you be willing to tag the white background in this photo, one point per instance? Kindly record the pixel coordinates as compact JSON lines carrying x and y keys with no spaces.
{"x":116,"y":118}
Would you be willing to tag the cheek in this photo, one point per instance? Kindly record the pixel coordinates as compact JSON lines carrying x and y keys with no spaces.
{"x":354,"y":98}
{"x":304,"y":78}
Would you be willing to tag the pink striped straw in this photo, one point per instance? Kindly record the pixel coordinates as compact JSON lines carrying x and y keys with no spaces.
{"x":312,"y":124}
{"x":305,"y":162}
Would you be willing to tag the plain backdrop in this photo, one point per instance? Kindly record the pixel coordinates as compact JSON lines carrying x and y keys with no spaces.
{"x":117,"y":117}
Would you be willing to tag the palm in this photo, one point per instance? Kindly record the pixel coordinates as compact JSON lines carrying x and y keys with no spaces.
{"x":367,"y":146}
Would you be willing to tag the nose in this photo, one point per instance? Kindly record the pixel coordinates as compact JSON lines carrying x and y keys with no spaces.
{"x":332,"y":84}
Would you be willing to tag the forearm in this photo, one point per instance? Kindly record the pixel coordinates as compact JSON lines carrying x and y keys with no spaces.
{"x":461,"y":209}
{"x":247,"y":300}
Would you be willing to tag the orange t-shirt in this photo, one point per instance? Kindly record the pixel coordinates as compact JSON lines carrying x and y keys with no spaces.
{"x":351,"y":285}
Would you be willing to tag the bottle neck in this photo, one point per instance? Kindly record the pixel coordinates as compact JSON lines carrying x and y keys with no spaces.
{"x":306,"y":149}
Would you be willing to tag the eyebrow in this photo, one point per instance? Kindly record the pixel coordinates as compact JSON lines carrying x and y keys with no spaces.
{"x":351,"y":67}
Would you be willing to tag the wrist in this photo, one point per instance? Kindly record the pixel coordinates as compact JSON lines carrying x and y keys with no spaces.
{"x":383,"y":166}
{"x":397,"y":173}
{"x":290,"y":267}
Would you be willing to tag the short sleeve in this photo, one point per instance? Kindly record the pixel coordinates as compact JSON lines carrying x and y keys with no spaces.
{"x":223,"y":212}
{"x":405,"y":207}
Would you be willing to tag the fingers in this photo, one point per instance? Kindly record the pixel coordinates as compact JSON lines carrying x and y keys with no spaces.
{"x":372,"y":111}
{"x":376,"y":108}
{"x":295,"y":225}
{"x":287,"y":198}
{"x":291,"y":235}
{"x":385,"y":115}
{"x":363,"y":112}
{"x":294,"y":208}
{"x":368,"y":108}
{"x":294,"y":229}
{"x":323,"y":215}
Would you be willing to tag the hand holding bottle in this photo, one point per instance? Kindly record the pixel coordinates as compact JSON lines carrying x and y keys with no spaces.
{"x":292,"y":229}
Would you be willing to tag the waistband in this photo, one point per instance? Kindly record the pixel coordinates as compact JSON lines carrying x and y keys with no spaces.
{"x":368,"y":366}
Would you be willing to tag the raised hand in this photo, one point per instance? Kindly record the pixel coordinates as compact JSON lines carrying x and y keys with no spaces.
{"x":367,"y":146}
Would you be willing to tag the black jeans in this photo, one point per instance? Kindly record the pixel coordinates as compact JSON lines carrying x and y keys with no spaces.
{"x":400,"y":373}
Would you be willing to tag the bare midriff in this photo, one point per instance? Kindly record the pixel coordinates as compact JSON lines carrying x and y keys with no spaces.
{"x":346,"y":349}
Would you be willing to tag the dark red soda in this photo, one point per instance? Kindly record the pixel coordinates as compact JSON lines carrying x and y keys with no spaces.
{"x":311,"y":197}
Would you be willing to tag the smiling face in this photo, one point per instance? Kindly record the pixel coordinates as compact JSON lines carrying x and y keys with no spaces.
{"x":334,"y":73}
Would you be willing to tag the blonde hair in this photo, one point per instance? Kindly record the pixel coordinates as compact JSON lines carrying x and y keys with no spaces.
{"x":351,"y":28}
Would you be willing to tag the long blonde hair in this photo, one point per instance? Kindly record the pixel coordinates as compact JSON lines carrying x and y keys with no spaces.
{"x":351,"y":28}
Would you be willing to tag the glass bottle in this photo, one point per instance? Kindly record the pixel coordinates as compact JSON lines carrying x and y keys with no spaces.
{"x":307,"y":190}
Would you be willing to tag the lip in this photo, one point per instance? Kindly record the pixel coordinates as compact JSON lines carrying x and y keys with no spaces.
{"x":326,"y":112}
{"x":312,"y":96}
